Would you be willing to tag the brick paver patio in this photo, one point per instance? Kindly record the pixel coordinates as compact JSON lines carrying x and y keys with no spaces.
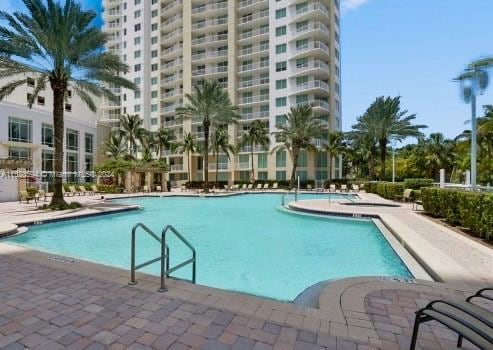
{"x":50,"y":308}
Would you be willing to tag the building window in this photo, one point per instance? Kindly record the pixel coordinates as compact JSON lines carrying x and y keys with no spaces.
{"x":19,"y":153}
{"x":72,"y":166}
{"x":30,"y":82}
{"x":321,"y":159}
{"x":154,"y":53}
{"x":281,"y":102}
{"x":154,"y":26}
{"x":72,"y":140}
{"x":89,"y":143}
{"x":280,"y":119}
{"x":281,"y":48}
{"x":262,"y":160}
{"x":20,"y":130}
{"x":41,"y":100}
{"x":280,"y":175}
{"x":302,"y":159}
{"x":280,"y":159}
{"x":280,"y":31}
{"x":154,"y":81}
{"x":137,"y":54}
{"x":154,"y":13}
{"x":137,"y":40}
{"x":154,"y":67}
{"x":68,"y":107}
{"x":137,"y":68}
{"x":281,"y":84}
{"x":47,"y":160}
{"x":136,"y":108}
{"x":137,"y":14}
{"x":136,"y":94}
{"x":47,"y":135}
{"x":154,"y":40}
{"x":262,"y":175}
{"x":137,"y":27}
{"x":154,"y":108}
{"x":281,"y":66}
{"x":154,"y":94}
{"x":281,"y":13}
{"x":302,"y":174}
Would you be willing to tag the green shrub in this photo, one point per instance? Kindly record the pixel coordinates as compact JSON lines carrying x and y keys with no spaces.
{"x":417,"y":184}
{"x":31,"y":191}
{"x":467,"y":209}
{"x":392,"y":190}
{"x":107,"y":188}
{"x":73,"y":205}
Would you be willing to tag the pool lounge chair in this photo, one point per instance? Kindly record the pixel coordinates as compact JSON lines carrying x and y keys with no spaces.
{"x":309,"y":187}
{"x":332,"y":188}
{"x":24,"y":195}
{"x":266,"y":186}
{"x":405,"y":196}
{"x":244,"y":187}
{"x":95,"y":189}
{"x":226,"y":188}
{"x":83,"y":191}
{"x":145,"y":188}
{"x":343,"y":188}
{"x":74,"y":191}
{"x":44,"y":195}
{"x":468,"y":320}
{"x":259,"y":186}
{"x":274,"y":186}
{"x":355,"y":188}
{"x":250,"y":187}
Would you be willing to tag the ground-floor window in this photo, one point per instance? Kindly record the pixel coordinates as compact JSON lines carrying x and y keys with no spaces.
{"x":262,"y":175}
{"x":72,"y":166}
{"x":19,"y":153}
{"x":322,"y":175}
{"x":89,"y":167}
{"x":222,"y":176}
{"x":302,"y":174}
{"x":262,"y":160}
{"x":244,"y":175}
{"x":47,"y":160}
{"x":280,"y":175}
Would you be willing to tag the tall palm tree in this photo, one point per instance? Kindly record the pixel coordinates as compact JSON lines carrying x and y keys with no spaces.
{"x":257,"y":134}
{"x":212,"y":105}
{"x":220,"y":144}
{"x":58,"y":45}
{"x":335,"y":146}
{"x":189,"y":146}
{"x":364,"y":136}
{"x":389,"y":122}
{"x":115,"y":147}
{"x":438,"y":154}
{"x":164,"y":139}
{"x":297,"y":133}
{"x":132,"y":129}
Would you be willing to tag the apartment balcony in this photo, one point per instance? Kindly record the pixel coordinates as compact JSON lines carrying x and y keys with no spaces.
{"x":200,"y":135}
{"x":245,"y":84}
{"x":317,"y":48}
{"x":253,"y":51}
{"x":219,"y":166}
{"x":243,"y":166}
{"x":209,"y":71}
{"x":210,"y":55}
{"x":260,"y":33}
{"x":172,"y":79}
{"x":210,"y":9}
{"x":172,"y":37}
{"x":247,"y":149}
{"x":220,"y":39}
{"x":253,"y":99}
{"x":176,"y":167}
{"x":314,"y":10}
{"x":172,"y":94}
{"x":114,"y":12}
{"x":317,"y":105}
{"x":173,"y":51}
{"x":116,"y":90}
{"x":210,"y":24}
{"x":319,"y":143}
{"x":172,"y":8}
{"x":114,"y":39}
{"x":256,"y":18}
{"x":172,"y":22}
{"x":315,"y":30}
{"x":169,"y":109}
{"x":314,"y":67}
{"x":172,"y":123}
{"x":175,"y":63}
{"x":312,"y":86}
{"x":251,"y":5}
{"x":247,"y":68}
{"x":112,"y":26}
{"x":254,"y":115}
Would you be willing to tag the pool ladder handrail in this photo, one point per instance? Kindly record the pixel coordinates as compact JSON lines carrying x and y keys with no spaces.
{"x":283,"y":198}
{"x":163,"y":258}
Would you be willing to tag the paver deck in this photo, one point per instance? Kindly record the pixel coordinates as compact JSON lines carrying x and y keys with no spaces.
{"x":50,"y":308}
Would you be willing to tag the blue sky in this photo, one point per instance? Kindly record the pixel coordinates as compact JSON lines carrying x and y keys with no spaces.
{"x":411,"y":48}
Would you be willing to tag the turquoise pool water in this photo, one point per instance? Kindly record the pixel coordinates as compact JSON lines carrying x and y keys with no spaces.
{"x":244,"y":243}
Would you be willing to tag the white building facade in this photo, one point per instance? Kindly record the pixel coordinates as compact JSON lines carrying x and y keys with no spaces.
{"x":27,"y":133}
{"x":269,"y":55}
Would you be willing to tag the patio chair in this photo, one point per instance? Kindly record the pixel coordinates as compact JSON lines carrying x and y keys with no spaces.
{"x":158,"y":188}
{"x":226,"y":188}
{"x":244,"y":187}
{"x":332,"y":188}
{"x":274,"y":186}
{"x":74,"y":191}
{"x":24,"y":195}
{"x":95,"y":189}
{"x":405,"y":196}
{"x":309,"y":187}
{"x":259,"y":186}
{"x":145,"y":188}
{"x":355,"y":188}
{"x":250,"y":187}
{"x":44,"y":195}
{"x":266,"y":186}
{"x":343,"y":188}
{"x":468,"y":320}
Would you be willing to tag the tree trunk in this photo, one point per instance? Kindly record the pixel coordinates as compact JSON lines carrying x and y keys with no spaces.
{"x":189,"y":167}
{"x":58,"y":134}
{"x":383,"y":155}
{"x":292,"y":181}
{"x":330,"y":168}
{"x":217,"y":166}
{"x":206,"y":155}
{"x":371,"y":164}
{"x":251,"y":156}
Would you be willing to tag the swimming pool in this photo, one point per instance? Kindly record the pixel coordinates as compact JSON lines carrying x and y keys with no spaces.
{"x":244,"y":243}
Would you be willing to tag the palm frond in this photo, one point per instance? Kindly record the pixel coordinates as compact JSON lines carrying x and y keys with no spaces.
{"x":7,"y":89}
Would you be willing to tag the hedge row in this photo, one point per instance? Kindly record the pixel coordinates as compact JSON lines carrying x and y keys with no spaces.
{"x":417,"y":184}
{"x":467,"y":209}
{"x":388,"y":190}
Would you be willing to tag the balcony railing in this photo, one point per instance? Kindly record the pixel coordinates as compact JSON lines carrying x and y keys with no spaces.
{"x":246,"y":3}
{"x":313,"y":45}
{"x":312,"y":85}
{"x":210,"y":7}
{"x":315,"y":64}
{"x":254,"y":115}
{"x":315,"y":6}
{"x":315,"y":104}
{"x":210,"y":23}
{"x":243,"y":166}
{"x":176,"y":167}
{"x":253,"y":66}
{"x":255,"y":16}
{"x":253,"y":82}
{"x":220,"y":166}
{"x":209,"y":54}
{"x":209,"y":39}
{"x":253,"y":50}
{"x":209,"y":70}
{"x":312,"y":26}
{"x":252,"y":33}
{"x":253,"y":99}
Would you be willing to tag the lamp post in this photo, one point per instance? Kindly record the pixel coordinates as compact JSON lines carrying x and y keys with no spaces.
{"x":393,"y":144}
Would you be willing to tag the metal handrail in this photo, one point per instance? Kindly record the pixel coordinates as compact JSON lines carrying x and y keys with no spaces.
{"x":283,"y":198}
{"x":192,"y":260}
{"x":163,"y":258}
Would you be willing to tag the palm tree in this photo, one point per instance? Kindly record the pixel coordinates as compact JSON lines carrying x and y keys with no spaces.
{"x":116,"y":147}
{"x":257,"y":134}
{"x":297,"y":133}
{"x":438,"y":154}
{"x":386,"y":119}
{"x":220,"y":144}
{"x":58,"y":45}
{"x":164,"y":139}
{"x":188,"y":146}
{"x":212,"y":105}
{"x":335,"y":146}
{"x":364,"y":136}
{"x":132,"y":129}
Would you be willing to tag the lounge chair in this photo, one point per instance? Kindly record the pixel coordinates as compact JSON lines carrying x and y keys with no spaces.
{"x":405,"y":196}
{"x":259,"y":186}
{"x":83,"y":191}
{"x":250,"y":187}
{"x":332,"y":188}
{"x":158,"y":188}
{"x":24,"y":195}
{"x":145,"y":188}
{"x":74,"y":191}
{"x":274,"y":186}
{"x":89,"y":191}
{"x":355,"y":188}
{"x":244,"y":187}
{"x":468,"y":320}
{"x":44,"y":195}
{"x":236,"y":187}
{"x":266,"y":186}
{"x":309,"y":187}
{"x":343,"y":188}
{"x":95,"y":189}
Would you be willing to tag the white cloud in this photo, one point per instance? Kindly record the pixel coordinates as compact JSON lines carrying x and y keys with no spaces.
{"x":353,"y":4}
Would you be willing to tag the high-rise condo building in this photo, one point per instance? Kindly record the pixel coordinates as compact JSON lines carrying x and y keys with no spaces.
{"x":269,"y":55}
